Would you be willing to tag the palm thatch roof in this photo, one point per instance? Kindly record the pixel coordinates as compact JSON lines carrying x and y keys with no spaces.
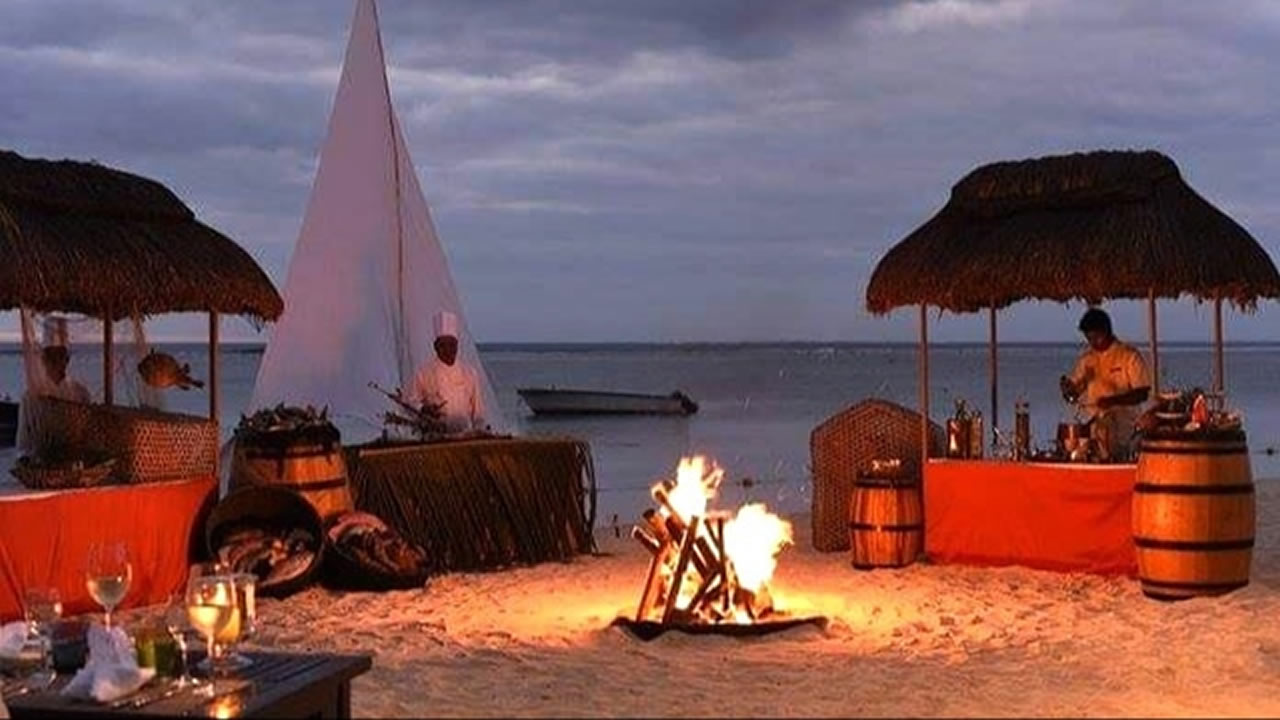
{"x":1086,"y":226}
{"x":81,"y":237}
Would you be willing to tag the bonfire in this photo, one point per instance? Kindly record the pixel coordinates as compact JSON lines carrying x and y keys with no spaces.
{"x":707,"y":567}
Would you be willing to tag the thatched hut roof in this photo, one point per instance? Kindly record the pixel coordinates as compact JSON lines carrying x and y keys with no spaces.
{"x":1087,"y":226}
{"x":81,"y":237}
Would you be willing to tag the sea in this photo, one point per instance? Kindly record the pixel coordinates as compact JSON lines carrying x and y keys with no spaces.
{"x":758,"y":402}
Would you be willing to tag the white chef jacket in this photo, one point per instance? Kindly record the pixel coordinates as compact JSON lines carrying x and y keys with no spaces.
{"x":457,"y":386}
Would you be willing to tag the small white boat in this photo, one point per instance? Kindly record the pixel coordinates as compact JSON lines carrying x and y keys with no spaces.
{"x":554,"y":401}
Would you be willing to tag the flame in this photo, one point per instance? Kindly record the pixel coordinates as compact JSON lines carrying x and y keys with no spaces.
{"x":752,"y":540}
{"x":697,"y":480}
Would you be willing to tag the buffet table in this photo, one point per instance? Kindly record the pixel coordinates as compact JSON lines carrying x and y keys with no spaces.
{"x":45,"y":538}
{"x":1051,"y":516}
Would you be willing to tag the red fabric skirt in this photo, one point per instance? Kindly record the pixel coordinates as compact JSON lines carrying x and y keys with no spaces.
{"x":45,"y":539}
{"x":1049,"y":516}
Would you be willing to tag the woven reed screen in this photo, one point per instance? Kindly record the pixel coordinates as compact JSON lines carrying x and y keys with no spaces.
{"x":482,"y":504}
{"x":844,"y":445}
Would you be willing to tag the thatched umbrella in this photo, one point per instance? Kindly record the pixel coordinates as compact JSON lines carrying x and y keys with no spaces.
{"x":1086,"y":226}
{"x":85,"y":238}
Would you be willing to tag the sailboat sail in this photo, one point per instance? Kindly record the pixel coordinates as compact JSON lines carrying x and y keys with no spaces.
{"x":368,"y":273}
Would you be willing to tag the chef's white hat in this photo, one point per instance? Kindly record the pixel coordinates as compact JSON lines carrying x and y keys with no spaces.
{"x":55,"y":331}
{"x":446,"y":324}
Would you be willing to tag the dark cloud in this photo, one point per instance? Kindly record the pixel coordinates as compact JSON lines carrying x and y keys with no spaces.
{"x":664,"y":169}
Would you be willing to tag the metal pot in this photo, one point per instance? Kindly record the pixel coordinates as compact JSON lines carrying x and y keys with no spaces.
{"x":1072,"y":435}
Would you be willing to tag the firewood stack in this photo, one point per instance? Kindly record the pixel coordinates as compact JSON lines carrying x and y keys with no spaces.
{"x":691,"y":579}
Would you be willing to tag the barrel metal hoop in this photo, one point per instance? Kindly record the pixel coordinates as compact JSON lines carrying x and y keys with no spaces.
{"x":886,"y":484}
{"x":915,"y":527}
{"x":1183,"y":585}
{"x":1193,"y":545}
{"x":1158,"y":489}
{"x":314,"y":485}
{"x":1232,"y":449}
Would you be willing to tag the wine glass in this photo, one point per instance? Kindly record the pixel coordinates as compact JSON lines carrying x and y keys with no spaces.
{"x":108,"y":576}
{"x":42,"y":607}
{"x":178,"y":624}
{"x":211,"y":609}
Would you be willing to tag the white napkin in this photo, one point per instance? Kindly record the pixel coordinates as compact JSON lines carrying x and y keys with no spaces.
{"x":112,"y":671}
{"x":12,"y":637}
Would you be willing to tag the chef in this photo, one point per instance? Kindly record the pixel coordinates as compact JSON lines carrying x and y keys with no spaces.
{"x":1110,"y":381}
{"x":443,"y":379}
{"x":48,"y":379}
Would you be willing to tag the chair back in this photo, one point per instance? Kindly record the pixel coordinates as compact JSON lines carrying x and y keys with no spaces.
{"x":844,"y":445}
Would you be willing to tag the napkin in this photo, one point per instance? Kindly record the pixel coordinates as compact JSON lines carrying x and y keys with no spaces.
{"x":112,"y":671}
{"x":12,"y":638}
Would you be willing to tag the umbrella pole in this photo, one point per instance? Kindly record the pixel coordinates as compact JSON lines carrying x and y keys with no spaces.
{"x":108,"y":328}
{"x":213,"y":366}
{"x":1219,"y":383}
{"x":1155,"y":344}
{"x":995,"y":374}
{"x":924,"y":386}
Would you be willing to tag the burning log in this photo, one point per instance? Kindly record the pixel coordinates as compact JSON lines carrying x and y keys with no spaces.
{"x":652,"y":544}
{"x":692,"y":577}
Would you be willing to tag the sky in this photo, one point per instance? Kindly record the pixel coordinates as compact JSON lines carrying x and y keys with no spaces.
{"x":663,"y":170}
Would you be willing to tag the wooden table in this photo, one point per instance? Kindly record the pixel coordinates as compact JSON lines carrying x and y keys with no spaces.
{"x":276,"y":685}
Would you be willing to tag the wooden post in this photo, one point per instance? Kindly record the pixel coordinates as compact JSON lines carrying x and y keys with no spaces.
{"x":108,"y":396}
{"x":1155,"y":343}
{"x":995,"y":376}
{"x":1219,"y":377}
{"x":213,"y":366}
{"x":924,"y":386}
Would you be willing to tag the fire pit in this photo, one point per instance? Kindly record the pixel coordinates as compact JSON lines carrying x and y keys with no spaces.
{"x":709,"y":570}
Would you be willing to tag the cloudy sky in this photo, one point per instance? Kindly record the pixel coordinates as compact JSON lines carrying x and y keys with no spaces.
{"x":663,"y":170}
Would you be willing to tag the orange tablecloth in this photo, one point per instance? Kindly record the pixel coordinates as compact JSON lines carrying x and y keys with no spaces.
{"x":45,"y":539}
{"x":1041,"y":515}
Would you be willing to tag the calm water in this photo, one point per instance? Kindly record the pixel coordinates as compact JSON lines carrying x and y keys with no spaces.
{"x":758,"y":403}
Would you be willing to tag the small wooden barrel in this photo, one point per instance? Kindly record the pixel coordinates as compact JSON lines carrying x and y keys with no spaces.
{"x":1193,"y":515}
{"x":886,"y":527}
{"x":316,"y":471}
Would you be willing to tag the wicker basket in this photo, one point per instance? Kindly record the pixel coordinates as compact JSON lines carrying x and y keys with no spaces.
{"x":844,"y":445}
{"x":149,"y":445}
{"x":61,"y":476}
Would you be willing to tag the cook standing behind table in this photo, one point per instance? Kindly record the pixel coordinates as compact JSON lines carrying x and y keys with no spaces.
{"x":442,"y":378}
{"x":1111,"y":381}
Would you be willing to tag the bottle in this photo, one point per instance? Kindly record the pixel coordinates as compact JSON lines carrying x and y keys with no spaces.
{"x":975,"y":435}
{"x":1021,"y":430}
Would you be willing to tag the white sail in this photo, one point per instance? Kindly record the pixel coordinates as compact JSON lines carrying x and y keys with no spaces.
{"x":368,"y":273}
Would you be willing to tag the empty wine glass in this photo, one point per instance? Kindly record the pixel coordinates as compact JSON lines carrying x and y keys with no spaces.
{"x":178,"y":624}
{"x":108,"y":576}
{"x":42,"y":607}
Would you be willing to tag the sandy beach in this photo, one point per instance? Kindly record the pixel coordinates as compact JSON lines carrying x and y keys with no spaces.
{"x":925,"y":640}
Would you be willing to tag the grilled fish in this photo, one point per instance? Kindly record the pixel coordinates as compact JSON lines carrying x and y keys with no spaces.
{"x":161,"y":370}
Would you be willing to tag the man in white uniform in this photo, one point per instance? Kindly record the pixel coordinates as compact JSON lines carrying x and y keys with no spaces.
{"x":442,"y":379}
{"x":1111,"y":381}
{"x":61,"y":385}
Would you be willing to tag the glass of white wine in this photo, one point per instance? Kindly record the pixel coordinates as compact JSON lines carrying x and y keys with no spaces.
{"x":108,"y":576}
{"x":212,"y":611}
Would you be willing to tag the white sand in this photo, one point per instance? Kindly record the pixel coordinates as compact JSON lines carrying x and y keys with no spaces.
{"x":926,"y":640}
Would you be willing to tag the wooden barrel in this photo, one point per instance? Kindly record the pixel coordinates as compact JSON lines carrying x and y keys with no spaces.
{"x":316,"y":471}
{"x":886,"y":528}
{"x":1193,"y":515}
